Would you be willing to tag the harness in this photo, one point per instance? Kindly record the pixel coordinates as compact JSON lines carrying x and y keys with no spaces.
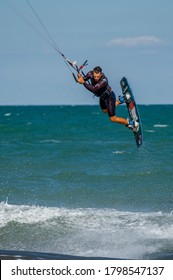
{"x":106,"y":93}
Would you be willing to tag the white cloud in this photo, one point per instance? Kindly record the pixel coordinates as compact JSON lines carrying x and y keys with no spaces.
{"x":135,"y":41}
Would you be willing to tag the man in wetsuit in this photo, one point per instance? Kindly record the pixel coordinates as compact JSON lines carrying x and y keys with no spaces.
{"x":98,"y":85}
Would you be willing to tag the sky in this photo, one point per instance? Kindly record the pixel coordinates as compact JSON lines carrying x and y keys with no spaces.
{"x":130,"y":38}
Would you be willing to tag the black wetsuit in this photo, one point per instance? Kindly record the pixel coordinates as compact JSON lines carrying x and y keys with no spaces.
{"x":102,"y":90}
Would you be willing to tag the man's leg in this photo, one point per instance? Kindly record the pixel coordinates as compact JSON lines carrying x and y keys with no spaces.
{"x":119,"y":120}
{"x":111,"y":103}
{"x":103,"y":105}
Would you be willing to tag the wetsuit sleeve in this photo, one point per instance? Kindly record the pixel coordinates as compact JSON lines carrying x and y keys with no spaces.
{"x":96,"y":87}
{"x":88,"y":76}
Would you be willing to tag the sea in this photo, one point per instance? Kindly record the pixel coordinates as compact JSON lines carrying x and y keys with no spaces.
{"x":74,"y":183}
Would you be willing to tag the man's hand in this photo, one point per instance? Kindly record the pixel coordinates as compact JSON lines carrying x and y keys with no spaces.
{"x":80,"y":79}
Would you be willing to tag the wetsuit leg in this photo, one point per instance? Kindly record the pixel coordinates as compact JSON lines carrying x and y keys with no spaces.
{"x":112,"y":110}
{"x":111,"y":104}
{"x":107,"y":104}
{"x":103,"y":105}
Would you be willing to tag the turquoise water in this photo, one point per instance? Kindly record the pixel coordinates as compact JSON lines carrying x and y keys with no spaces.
{"x":74,"y":183}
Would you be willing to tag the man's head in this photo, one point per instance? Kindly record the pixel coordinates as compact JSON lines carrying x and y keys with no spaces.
{"x":97,"y":73}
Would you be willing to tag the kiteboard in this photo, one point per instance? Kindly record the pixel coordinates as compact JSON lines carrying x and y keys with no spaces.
{"x":132,"y":109}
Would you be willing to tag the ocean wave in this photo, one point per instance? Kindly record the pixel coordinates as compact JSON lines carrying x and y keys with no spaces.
{"x":99,"y":232}
{"x":34,"y":214}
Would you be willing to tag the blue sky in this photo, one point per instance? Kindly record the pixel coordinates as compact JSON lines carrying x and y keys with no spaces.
{"x":129,"y":38}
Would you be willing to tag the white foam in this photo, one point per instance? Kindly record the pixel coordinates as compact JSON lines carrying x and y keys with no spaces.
{"x":50,"y":141}
{"x":150,"y":130}
{"x":160,"y":125}
{"x":7,"y":114}
{"x":35,"y":214}
{"x":97,"y":232}
{"x":94,"y":217}
{"x":25,"y":214}
{"x":119,"y":152}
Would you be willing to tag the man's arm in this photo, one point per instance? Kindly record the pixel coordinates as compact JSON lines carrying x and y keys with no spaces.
{"x":98,"y":86}
{"x":92,"y":88}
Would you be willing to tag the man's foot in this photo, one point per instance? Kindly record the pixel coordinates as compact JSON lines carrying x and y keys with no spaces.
{"x":133,"y":125}
{"x":121,"y":99}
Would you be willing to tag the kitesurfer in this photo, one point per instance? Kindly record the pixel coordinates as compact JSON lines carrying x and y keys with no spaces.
{"x":96,"y":82}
